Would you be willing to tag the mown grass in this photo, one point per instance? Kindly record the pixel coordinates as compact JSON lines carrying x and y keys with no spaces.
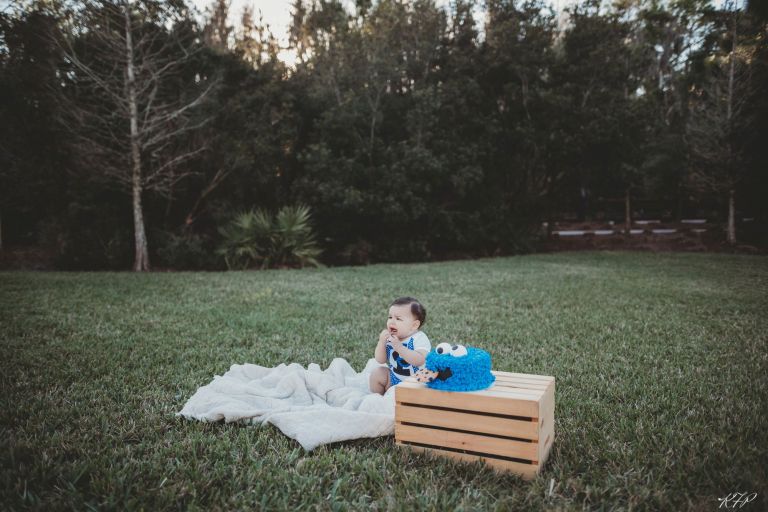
{"x":660,"y":360}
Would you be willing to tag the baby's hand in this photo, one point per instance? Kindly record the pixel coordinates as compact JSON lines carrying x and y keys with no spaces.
{"x":388,"y":338}
{"x":393,"y":340}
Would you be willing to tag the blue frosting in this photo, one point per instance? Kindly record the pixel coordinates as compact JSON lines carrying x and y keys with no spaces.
{"x":470,"y":372}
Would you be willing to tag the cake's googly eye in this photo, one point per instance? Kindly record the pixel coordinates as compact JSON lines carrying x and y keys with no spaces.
{"x":443,"y":348}
{"x":458,"y":351}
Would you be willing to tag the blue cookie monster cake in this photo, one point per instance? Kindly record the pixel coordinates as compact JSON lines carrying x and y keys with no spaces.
{"x":457,"y":368}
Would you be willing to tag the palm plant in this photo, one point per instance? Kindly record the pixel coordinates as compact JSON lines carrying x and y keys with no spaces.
{"x":257,"y":238}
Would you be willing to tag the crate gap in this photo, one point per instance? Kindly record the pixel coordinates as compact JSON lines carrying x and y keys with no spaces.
{"x":468,"y":411}
{"x":469,"y":452}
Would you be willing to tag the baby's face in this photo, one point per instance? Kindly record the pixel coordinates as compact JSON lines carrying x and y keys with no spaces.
{"x":401,"y":321}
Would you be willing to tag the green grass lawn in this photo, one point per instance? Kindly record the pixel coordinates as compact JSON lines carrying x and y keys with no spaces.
{"x":660,"y":360}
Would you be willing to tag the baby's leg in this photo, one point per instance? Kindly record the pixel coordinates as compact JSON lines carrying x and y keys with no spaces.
{"x":379,"y":380}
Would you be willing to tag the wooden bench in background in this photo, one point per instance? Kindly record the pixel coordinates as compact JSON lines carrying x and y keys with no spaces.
{"x":510,"y":426}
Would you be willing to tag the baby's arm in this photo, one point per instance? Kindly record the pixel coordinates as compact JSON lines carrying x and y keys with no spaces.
{"x":412,"y":357}
{"x":381,"y":347}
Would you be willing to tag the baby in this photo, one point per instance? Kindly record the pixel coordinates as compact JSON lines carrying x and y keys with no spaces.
{"x":401,"y":345}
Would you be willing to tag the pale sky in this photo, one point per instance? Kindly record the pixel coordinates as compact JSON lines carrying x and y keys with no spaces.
{"x":277,"y":14}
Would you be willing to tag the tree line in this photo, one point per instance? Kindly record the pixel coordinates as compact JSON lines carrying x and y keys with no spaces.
{"x":141,"y":131}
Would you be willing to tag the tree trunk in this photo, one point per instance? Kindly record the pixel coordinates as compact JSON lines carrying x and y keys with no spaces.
{"x":731,"y":193}
{"x":627,"y":213}
{"x":731,"y":217}
{"x":220,"y":176}
{"x":168,"y":206}
{"x":141,"y":256}
{"x":372,"y":134}
{"x":374,"y":110}
{"x":731,"y":69}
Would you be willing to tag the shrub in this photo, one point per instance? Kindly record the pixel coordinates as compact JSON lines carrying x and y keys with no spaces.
{"x":356,"y":253}
{"x":257,"y":238}
{"x":84,"y":242}
{"x":186,"y":250}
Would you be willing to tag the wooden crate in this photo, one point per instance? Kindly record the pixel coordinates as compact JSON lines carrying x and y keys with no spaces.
{"x":510,"y":426}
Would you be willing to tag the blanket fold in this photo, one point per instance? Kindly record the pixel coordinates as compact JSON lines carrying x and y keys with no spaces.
{"x":312,"y":406}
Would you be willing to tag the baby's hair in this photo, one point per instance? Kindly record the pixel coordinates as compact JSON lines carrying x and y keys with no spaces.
{"x":419,"y":311}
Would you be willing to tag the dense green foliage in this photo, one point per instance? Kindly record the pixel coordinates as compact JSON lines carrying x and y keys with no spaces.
{"x":412,"y":132}
{"x":660,"y":361}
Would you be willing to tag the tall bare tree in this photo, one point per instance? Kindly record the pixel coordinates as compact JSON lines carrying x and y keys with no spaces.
{"x":718,"y":113}
{"x":130,"y":98}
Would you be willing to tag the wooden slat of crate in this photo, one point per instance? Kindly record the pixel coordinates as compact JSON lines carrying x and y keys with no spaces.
{"x":527,"y":471}
{"x":481,"y":401}
{"x":524,"y":383}
{"x":501,"y":387}
{"x":521,"y":386}
{"x":504,"y":447}
{"x":454,"y":419}
{"x":547,"y":423}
